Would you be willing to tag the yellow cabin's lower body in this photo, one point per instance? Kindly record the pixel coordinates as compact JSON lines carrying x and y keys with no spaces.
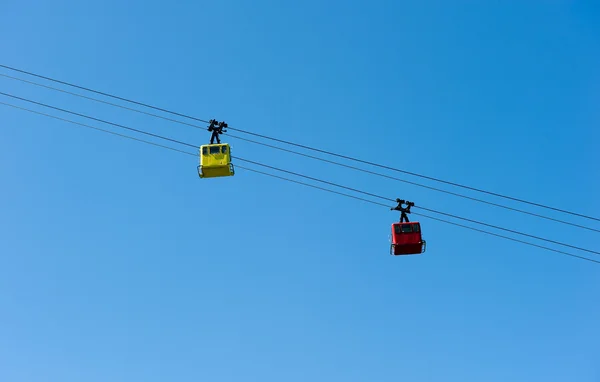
{"x":215,"y":171}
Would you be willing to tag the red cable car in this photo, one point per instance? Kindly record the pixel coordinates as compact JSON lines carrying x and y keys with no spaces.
{"x":407,"y":239}
{"x":406,"y":236}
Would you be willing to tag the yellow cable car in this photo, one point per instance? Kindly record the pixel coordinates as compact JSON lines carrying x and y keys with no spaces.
{"x":215,"y":161}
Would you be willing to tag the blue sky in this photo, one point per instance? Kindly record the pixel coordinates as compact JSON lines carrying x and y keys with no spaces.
{"x":117,"y":263}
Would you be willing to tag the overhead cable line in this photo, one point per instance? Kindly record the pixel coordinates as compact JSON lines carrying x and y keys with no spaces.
{"x":419,"y":185}
{"x":306,"y":184}
{"x":306,"y":155}
{"x":102,"y":130}
{"x":307,"y":177}
{"x":97,"y":119}
{"x":304,"y":146}
{"x":419,"y":206}
{"x":506,"y":237}
{"x":183,"y":152}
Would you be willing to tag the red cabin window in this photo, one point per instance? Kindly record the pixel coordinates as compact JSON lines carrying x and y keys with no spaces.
{"x":407,"y":228}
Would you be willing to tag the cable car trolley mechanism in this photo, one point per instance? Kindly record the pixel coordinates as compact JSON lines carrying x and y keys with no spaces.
{"x":215,"y":158}
{"x":406,"y":238}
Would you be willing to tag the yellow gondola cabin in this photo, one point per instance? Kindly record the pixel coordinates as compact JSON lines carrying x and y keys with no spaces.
{"x":215,"y":161}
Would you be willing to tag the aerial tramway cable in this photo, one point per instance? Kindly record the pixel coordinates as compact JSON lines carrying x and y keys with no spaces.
{"x":304,"y":146}
{"x":301,"y":175}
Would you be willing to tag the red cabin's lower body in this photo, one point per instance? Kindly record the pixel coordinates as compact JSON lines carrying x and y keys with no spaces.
{"x":407,"y":249}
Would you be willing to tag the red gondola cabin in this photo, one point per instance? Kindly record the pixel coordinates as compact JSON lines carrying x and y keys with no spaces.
{"x":407,"y":239}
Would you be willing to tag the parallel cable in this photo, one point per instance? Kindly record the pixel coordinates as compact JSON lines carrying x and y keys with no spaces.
{"x":429,"y":217}
{"x":301,"y":183}
{"x":312,"y":178}
{"x":421,"y":207}
{"x":306,"y":147}
{"x":186,"y":152}
{"x":96,"y":119}
{"x":99,"y":129}
{"x":306,"y":155}
{"x":101,"y":93}
{"x":319,"y":188}
{"x":508,"y":230}
{"x":418,"y":184}
{"x":104,"y":102}
{"x":508,"y":238}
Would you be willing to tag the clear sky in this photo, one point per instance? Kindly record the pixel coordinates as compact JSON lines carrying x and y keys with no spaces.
{"x":117,"y":263}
